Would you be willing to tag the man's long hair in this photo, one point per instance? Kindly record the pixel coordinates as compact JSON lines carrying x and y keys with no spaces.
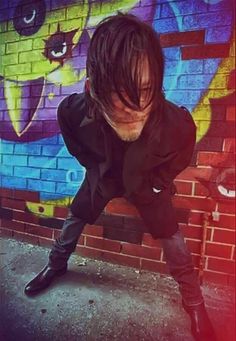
{"x":117,"y":50}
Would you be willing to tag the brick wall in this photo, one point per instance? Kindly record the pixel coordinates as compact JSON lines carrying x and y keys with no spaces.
{"x":39,"y":177}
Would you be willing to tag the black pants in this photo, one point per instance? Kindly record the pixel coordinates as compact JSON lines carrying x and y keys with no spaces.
{"x":177,"y":255}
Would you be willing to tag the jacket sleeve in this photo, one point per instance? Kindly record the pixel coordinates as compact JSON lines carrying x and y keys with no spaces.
{"x":162,"y":176}
{"x":72,"y":142}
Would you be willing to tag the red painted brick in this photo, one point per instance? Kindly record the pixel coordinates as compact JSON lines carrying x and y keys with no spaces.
{"x":110,"y":257}
{"x":230,"y":113}
{"x":224,"y":236}
{"x":182,"y":38}
{"x":195,"y":218}
{"x":225,"y":221}
{"x":215,"y":158}
{"x":218,"y":250}
{"x":104,"y":244}
{"x":154,"y":266}
{"x":205,"y":51}
{"x":15,"y":204}
{"x":45,"y":242}
{"x":25,"y":217}
{"x":229,"y":146}
{"x":227,"y":207}
{"x":194,"y":232}
{"x":60,"y":212}
{"x":231,"y":281}
{"x":184,"y":187}
{"x":81,"y":240}
{"x":121,"y":206}
{"x":221,"y":265}
{"x":6,"y":233}
{"x":38,"y":230}
{"x":193,"y":245}
{"x":141,"y":251}
{"x":14,"y":225}
{"x":24,"y":237}
{"x":190,"y":173}
{"x":27,"y":195}
{"x":149,"y":241}
{"x":6,"y":193}
{"x":93,"y":230}
{"x":200,"y":190}
{"x":196,"y":261}
{"x":202,"y":204}
{"x":217,"y":277}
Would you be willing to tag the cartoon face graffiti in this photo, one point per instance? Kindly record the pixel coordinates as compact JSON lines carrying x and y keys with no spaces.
{"x":37,"y":41}
{"x":43,"y":47}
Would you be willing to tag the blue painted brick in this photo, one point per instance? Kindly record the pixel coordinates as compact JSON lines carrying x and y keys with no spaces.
{"x":60,"y":140}
{"x":182,"y":97}
{"x":27,"y":172}
{"x":169,"y":82}
{"x":13,"y":182}
{"x":218,"y":34}
{"x":17,"y":160}
{"x":187,"y":7}
{"x":51,"y":150}
{"x":56,"y":175}
{"x":67,"y":188}
{"x":51,"y":196}
{"x":194,"y":81}
{"x":166,"y":11}
{"x":6,"y":170}
{"x":42,"y":161}
{"x":165,"y":25}
{"x":191,"y":66}
{"x":211,"y":65}
{"x":27,"y":148}
{"x":40,"y":185}
{"x":206,"y":20}
{"x":171,"y":67}
{"x":6,"y":148}
{"x":68,"y":163}
{"x":172,"y":53}
{"x":64,"y":152}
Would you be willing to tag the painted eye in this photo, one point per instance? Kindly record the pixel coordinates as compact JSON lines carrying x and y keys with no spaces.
{"x":61,"y":51}
{"x":29,"y":16}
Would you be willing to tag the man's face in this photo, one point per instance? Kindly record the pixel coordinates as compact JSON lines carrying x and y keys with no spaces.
{"x":126,"y":122}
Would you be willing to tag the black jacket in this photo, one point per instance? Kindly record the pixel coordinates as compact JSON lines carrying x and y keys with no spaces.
{"x":88,"y":140}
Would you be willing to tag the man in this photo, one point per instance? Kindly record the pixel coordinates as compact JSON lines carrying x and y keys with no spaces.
{"x":132,"y":143}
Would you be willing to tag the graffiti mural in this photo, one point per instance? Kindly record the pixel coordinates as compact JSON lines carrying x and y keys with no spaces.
{"x":43,"y":55}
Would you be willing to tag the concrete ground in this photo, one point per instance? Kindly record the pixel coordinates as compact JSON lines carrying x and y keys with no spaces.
{"x":95,"y":300}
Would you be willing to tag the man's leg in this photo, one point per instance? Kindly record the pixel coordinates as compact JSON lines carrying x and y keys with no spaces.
{"x":73,"y":226}
{"x":179,"y":262}
{"x":65,"y":244}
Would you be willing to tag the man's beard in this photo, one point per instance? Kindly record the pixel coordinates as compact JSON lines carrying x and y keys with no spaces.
{"x":129,"y":136}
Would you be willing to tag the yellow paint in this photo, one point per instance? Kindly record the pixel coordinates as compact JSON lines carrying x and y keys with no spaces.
{"x":216,"y":89}
{"x":51,"y":95}
{"x":46,"y":208}
{"x":66,"y":75}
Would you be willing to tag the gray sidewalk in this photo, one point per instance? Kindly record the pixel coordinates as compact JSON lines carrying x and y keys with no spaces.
{"x":98,"y":301}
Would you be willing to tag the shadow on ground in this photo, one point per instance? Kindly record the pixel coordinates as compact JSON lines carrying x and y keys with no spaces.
{"x":98,"y":301}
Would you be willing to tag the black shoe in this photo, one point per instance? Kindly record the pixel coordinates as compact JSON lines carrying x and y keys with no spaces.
{"x":201,"y":327}
{"x":43,"y":280}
